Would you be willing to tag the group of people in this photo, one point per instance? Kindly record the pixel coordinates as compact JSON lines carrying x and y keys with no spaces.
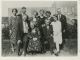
{"x":37,"y":34}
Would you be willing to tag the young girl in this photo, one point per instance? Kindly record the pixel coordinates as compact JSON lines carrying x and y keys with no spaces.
{"x":57,"y":34}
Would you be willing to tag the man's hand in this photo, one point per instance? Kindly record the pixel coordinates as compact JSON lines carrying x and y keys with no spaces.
{"x":63,"y":30}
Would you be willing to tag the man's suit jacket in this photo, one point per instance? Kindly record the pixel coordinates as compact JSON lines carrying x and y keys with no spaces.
{"x":63,"y":21}
{"x":20,"y":26}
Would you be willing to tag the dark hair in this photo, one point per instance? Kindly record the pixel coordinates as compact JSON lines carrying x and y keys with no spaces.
{"x":15,"y":10}
{"x":23,"y":7}
{"x":36,"y":12}
{"x":41,"y":10}
{"x":48,"y":12}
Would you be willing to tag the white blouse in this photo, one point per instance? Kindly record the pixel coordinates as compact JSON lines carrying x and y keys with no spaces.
{"x":56,"y":27}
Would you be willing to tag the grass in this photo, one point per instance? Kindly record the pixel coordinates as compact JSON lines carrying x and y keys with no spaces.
{"x":70,"y":49}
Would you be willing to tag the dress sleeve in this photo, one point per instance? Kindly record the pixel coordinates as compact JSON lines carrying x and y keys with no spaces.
{"x":18,"y":28}
{"x":10,"y":23}
{"x":38,"y":31}
{"x":51,"y":29}
{"x":51,"y":23}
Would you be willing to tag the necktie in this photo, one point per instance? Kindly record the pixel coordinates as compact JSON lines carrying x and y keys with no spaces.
{"x":59,"y":17}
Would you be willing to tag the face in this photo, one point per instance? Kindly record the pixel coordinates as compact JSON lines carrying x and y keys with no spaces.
{"x":55,"y":19}
{"x":48,"y":14}
{"x":59,"y":12}
{"x":14,"y":12}
{"x":23,"y":10}
{"x":41,"y":12}
{"x":35,"y":13}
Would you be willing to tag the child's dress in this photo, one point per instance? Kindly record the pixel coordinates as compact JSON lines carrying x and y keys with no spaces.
{"x":57,"y":32}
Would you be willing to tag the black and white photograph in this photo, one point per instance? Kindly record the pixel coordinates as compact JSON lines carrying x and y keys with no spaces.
{"x":39,"y":28}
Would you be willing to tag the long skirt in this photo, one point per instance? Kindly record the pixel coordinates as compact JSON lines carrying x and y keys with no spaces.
{"x":34,"y":45}
{"x":13,"y":36}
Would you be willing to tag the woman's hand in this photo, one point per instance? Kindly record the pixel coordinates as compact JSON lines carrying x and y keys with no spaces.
{"x":34,"y":39}
{"x":63,"y":30}
{"x":43,"y":25}
{"x":51,"y":35}
{"x":10,"y":31}
{"x":19,"y":41}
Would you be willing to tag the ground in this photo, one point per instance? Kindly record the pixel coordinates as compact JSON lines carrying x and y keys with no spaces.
{"x":70,"y":49}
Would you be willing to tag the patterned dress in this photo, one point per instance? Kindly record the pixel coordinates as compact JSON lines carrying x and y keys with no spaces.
{"x":13,"y":27}
{"x":34,"y":42}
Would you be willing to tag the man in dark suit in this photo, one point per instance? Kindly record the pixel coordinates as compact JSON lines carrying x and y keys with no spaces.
{"x":23,"y":29}
{"x":62,"y":18}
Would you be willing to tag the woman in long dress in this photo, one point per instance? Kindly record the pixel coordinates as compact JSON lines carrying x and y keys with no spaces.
{"x":13,"y":29}
{"x":57,"y":34}
{"x":41,"y":23}
{"x":34,"y":44}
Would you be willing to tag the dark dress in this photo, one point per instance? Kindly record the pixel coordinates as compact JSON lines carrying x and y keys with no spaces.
{"x":41,"y":21}
{"x":13,"y":27}
{"x":48,"y":38}
{"x":34,"y":45}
